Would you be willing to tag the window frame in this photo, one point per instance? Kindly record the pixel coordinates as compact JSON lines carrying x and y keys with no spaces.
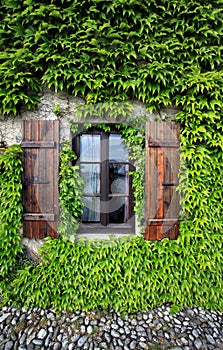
{"x":104,"y":226}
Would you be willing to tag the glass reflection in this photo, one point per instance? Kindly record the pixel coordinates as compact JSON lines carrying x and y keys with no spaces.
{"x":117,"y":149}
{"x":118,"y":210}
{"x":91,"y":175}
{"x":90,"y":148}
{"x":118,"y":178}
{"x":91,"y":209}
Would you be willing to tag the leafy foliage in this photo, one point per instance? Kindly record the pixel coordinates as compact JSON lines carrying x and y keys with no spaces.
{"x":104,"y":111}
{"x":161,"y":53}
{"x":201,"y":182}
{"x":70,"y":184}
{"x":105,"y":50}
{"x":126,"y":275}
{"x":10,"y":207}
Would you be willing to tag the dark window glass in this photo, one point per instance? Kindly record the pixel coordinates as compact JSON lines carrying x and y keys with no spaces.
{"x":117,"y":150}
{"x":119,"y":209}
{"x":91,"y":209}
{"x":91,"y":175}
{"x":118,"y":178}
{"x":90,"y":150}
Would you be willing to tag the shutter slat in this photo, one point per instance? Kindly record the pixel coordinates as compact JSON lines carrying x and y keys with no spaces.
{"x":43,"y":173}
{"x":35,"y":172}
{"x":162,"y":168}
{"x":40,"y":178}
{"x":39,"y":144}
{"x":39,"y":217}
{"x":160,"y":143}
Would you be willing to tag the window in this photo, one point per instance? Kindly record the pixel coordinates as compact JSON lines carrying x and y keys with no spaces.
{"x":107,"y":192}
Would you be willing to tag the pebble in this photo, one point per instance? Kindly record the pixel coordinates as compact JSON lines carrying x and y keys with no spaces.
{"x":42,"y":334}
{"x":195,"y":334}
{"x":37,"y":341}
{"x":210,"y":339}
{"x":89,"y":329}
{"x":4,"y":317}
{"x":120,"y":322}
{"x":115,"y":334}
{"x":115,"y":326}
{"x":82,"y":341}
{"x":107,"y":337}
{"x":57,"y":346}
{"x":193,"y":328}
{"x":198,"y":344}
{"x":83,"y":329}
{"x":75,"y":338}
{"x":9,"y":345}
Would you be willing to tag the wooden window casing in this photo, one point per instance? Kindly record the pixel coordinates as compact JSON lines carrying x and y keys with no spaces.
{"x":105,"y":224}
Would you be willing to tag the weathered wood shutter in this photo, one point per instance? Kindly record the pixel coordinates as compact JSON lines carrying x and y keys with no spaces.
{"x":40,"y":178}
{"x":162,"y":168}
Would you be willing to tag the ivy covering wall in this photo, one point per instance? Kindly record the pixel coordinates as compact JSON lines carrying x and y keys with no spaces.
{"x":162,"y":53}
{"x":10,"y":208}
{"x":106,"y":50}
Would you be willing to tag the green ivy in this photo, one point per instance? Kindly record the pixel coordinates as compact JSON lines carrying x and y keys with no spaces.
{"x":104,"y":111}
{"x":125,"y":275}
{"x":161,"y":53}
{"x":201,"y":183}
{"x":70,"y":187}
{"x":106,"y":50}
{"x":10,"y":207}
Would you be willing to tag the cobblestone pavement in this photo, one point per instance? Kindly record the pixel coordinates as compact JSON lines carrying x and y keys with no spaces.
{"x":154,"y":329}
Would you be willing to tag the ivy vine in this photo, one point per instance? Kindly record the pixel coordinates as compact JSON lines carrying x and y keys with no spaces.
{"x":201,"y":183}
{"x":70,"y":186}
{"x":161,"y":53}
{"x":10,"y":207}
{"x":106,"y":50}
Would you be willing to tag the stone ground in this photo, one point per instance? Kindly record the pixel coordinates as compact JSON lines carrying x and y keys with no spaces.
{"x":154,"y":329}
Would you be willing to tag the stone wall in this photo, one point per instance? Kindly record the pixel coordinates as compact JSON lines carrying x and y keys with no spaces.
{"x":11,"y":127}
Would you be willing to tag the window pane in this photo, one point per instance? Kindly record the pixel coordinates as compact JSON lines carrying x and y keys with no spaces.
{"x":118,"y":209}
{"x":118,"y":178}
{"x":90,"y":148}
{"x":91,"y":175}
{"x":91,"y":209}
{"x":117,"y":149}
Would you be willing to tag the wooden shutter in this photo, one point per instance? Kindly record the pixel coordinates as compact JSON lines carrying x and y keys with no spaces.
{"x":40,"y":178}
{"x":162,"y":168}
